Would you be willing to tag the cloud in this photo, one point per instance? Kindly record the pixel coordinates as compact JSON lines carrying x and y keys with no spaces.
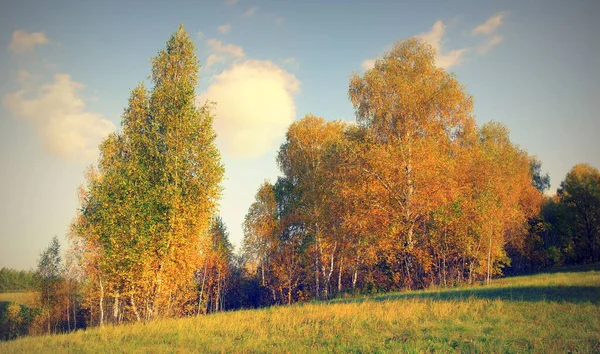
{"x":200,"y":35}
{"x":368,"y":64}
{"x":58,"y":113}
{"x":23,"y":76}
{"x":255,"y":106}
{"x":291,"y":63}
{"x":435,"y":38}
{"x":224,"y":29}
{"x":490,"y":26}
{"x":23,"y":42}
{"x":492,"y":42}
{"x":250,"y":12}
{"x":279,"y":20}
{"x":220,"y":52}
{"x":230,"y":49}
{"x":230,"y":2}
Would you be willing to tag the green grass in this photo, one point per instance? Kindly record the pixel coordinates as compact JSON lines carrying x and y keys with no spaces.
{"x":556,"y":313}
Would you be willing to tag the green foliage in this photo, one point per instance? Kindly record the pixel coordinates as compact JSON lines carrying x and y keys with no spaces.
{"x":147,"y":209}
{"x":540,"y":180}
{"x":580,"y":195}
{"x":15,"y":319}
{"x":567,"y":230}
{"x":49,"y":263}
{"x":12,"y":280}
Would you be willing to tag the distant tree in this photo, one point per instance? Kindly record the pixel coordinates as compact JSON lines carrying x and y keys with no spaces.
{"x":540,"y":180}
{"x":261,"y":227}
{"x":12,"y":280}
{"x":213,"y":275}
{"x":580,"y":195}
{"x":49,"y":270}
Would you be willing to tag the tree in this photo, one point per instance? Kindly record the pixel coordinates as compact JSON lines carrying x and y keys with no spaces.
{"x":580,"y":194}
{"x":540,"y":180}
{"x":213,"y":275}
{"x":49,"y":271}
{"x":148,"y":206}
{"x":303,"y":160}
{"x":418,"y":116}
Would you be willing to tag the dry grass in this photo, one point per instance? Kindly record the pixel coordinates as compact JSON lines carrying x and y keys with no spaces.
{"x":29,"y":299}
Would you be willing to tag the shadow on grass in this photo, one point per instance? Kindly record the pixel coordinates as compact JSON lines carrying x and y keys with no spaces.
{"x":573,"y":294}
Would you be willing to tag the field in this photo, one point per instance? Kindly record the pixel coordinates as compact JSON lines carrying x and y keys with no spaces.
{"x":552,"y":312}
{"x":26,"y":299}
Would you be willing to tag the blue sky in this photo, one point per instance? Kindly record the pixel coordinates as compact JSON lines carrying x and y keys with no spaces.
{"x":66,"y":69}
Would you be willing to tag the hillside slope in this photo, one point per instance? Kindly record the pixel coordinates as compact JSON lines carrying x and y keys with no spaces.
{"x":543,"y":313}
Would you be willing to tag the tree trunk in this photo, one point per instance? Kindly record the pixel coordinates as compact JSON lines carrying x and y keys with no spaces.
{"x":135,"y":311}
{"x":101,"y":302}
{"x":202,"y":288}
{"x":489,"y":265}
{"x":317,"y":290}
{"x":116,"y":309}
{"x":218,"y":291}
{"x":328,"y":272}
{"x":340,"y":272}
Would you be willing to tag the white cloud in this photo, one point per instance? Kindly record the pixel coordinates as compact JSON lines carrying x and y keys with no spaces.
{"x":58,"y":113}
{"x":250,"y":12}
{"x":492,"y":42}
{"x":490,"y":26}
{"x":368,"y":64}
{"x":230,"y":2}
{"x":23,"y":42}
{"x":216,"y":45}
{"x":220,"y":52}
{"x":224,"y":29}
{"x":435,"y":38}
{"x":254,"y":107}
{"x":279,"y":20}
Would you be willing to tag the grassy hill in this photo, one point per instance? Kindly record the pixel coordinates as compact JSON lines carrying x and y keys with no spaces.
{"x":553,"y":312}
{"x":25,"y":299}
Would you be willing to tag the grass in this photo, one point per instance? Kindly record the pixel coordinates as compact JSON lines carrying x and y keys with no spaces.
{"x":28,"y":299}
{"x":554,"y":313}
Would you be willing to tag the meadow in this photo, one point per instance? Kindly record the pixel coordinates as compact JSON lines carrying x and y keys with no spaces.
{"x":550,"y":312}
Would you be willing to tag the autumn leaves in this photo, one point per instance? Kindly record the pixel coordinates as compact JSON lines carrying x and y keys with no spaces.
{"x":147,"y":209}
{"x":415,"y":194}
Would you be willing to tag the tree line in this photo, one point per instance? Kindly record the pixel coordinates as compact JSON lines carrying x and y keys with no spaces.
{"x":12,"y":280}
{"x":414,"y":194}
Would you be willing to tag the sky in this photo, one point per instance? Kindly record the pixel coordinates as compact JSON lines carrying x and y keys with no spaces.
{"x":67,"y":68}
